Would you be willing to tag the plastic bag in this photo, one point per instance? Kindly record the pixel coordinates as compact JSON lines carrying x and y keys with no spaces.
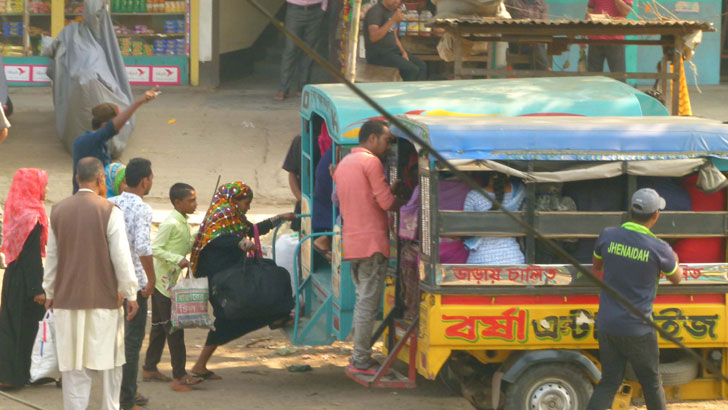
{"x":44,"y":359}
{"x":189,"y":304}
{"x":285,"y":249}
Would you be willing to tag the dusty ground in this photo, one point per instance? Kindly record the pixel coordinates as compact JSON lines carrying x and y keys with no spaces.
{"x":255,"y":377}
{"x":240,"y":133}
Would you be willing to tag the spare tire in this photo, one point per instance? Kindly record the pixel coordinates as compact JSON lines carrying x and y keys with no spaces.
{"x":673,"y":373}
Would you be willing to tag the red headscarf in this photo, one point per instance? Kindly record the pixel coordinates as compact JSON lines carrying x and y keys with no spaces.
{"x":23,"y":210}
{"x":324,"y":140}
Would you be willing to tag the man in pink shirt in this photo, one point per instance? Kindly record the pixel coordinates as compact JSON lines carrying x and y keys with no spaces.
{"x":365,"y":199}
{"x":614,"y":54}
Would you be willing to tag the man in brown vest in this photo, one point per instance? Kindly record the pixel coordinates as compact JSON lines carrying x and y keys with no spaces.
{"x":89,"y":272}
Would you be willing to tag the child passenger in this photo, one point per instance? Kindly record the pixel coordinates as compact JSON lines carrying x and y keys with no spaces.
{"x":494,"y":250}
{"x":170,"y":248}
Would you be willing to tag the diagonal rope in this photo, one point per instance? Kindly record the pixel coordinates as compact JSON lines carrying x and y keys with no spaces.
{"x":609,"y":290}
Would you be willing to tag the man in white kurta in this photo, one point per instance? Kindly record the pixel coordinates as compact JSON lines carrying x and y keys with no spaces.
{"x":88,"y":273}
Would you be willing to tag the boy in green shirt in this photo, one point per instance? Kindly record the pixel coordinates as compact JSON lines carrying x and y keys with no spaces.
{"x":170,"y":248}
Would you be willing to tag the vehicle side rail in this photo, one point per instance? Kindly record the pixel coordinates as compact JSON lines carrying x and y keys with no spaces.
{"x":672,"y":224}
{"x":560,"y":290}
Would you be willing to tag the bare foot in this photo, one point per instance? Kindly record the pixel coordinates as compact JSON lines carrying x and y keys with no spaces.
{"x":323,"y":243}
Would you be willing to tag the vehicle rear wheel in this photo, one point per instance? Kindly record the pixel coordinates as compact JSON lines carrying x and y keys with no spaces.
{"x":552,"y":386}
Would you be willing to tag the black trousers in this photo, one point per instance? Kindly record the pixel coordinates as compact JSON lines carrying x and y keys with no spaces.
{"x":134,"y":330}
{"x":613,"y":54}
{"x":413,"y":69}
{"x":161,"y":327}
{"x":644,"y":355}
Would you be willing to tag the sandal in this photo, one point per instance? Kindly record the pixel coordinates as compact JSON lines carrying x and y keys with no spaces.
{"x":155,"y":376}
{"x":189,"y":380}
{"x":185,"y":384}
{"x":207,"y":376}
{"x":277,"y":324}
{"x":140,"y":399}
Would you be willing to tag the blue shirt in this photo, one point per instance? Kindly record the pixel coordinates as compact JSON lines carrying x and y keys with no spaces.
{"x":93,"y":144}
{"x":633,"y":260}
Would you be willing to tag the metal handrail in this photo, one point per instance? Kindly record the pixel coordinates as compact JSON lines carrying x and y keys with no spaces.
{"x":298,"y":287}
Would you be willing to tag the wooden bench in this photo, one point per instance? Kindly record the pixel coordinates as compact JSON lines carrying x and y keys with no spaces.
{"x":370,"y":73}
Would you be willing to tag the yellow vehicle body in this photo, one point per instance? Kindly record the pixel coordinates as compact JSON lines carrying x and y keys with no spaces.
{"x":490,"y":328}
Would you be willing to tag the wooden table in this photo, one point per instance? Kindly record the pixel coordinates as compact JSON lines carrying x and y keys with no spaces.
{"x":559,"y":34}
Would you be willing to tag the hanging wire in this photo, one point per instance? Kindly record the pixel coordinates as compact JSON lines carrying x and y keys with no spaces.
{"x":470,"y":182}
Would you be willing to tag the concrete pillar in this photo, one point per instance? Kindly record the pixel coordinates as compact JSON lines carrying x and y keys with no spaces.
{"x":209,"y":54}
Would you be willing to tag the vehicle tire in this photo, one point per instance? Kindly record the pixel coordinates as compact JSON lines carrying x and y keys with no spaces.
{"x":673,"y":373}
{"x":448,"y":377}
{"x":551,"y":386}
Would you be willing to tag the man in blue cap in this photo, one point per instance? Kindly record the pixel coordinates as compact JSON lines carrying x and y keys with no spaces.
{"x":632,"y":259}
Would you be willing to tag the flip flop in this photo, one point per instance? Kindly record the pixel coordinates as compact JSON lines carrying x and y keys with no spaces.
{"x":207,"y":376}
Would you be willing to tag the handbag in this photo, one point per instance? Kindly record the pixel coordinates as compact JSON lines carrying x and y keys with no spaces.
{"x":44,"y":358}
{"x":255,"y":288}
{"x":189,"y":304}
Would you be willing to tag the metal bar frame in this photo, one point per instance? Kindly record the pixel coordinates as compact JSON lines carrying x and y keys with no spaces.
{"x":300,"y":287}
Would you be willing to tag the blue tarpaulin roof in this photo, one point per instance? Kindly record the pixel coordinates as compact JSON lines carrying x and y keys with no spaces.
{"x":571,"y":138}
{"x":344,"y":112}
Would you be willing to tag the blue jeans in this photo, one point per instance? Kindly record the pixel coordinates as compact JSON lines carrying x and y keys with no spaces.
{"x":644,"y":355}
{"x":134,"y":330}
{"x":305,"y":23}
{"x":413,"y":69}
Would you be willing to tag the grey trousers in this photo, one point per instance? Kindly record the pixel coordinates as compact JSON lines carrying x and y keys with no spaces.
{"x":614,"y":54}
{"x":368,"y":275}
{"x":304,"y":22}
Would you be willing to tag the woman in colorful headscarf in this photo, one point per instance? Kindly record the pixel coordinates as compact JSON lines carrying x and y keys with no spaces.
{"x":26,"y":234}
{"x":115,"y":179}
{"x":222,"y":242}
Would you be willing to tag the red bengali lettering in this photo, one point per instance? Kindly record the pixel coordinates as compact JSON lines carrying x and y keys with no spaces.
{"x":465,"y":329}
{"x":510,"y":326}
{"x":517,"y":274}
{"x":461,"y":274}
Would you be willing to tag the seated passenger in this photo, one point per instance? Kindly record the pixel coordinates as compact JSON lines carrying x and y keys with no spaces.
{"x":702,"y":250}
{"x":597,"y":195}
{"x":492,"y":250}
{"x":676,"y":197}
{"x":322,"y":219}
{"x":382,"y":42}
{"x":451,"y":197}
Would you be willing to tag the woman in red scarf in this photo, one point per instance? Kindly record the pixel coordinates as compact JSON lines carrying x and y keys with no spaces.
{"x":25,"y":237}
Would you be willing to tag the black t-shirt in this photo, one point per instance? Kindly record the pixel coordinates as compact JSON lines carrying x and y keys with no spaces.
{"x":292,"y":163}
{"x":633,"y":260}
{"x":378,"y":15}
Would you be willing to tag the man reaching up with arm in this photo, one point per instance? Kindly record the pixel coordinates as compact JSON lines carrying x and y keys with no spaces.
{"x":106,"y":122}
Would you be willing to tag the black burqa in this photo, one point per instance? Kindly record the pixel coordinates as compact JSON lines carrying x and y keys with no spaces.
{"x":19,"y":314}
{"x":218,"y":255}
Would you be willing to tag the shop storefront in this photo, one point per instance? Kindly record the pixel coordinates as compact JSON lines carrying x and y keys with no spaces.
{"x":154,"y":38}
